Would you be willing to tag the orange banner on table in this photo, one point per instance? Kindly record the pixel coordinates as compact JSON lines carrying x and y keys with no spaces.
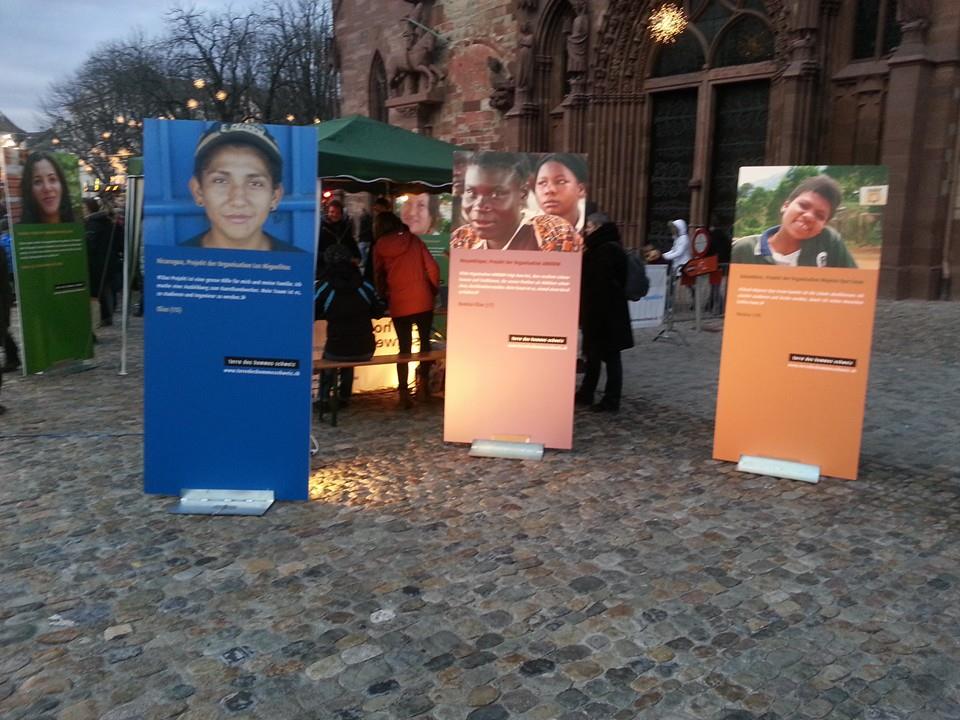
{"x":512,"y":346}
{"x":794,"y":365}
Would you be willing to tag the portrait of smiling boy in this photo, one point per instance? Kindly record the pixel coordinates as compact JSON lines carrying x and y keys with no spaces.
{"x":803,"y":238}
{"x":237,"y":180}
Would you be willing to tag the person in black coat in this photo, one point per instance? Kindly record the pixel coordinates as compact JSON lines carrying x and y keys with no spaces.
{"x":11,"y":360}
{"x":6,"y":301}
{"x":336,"y":229}
{"x":347,"y":303}
{"x":604,"y":314}
{"x":104,"y":257}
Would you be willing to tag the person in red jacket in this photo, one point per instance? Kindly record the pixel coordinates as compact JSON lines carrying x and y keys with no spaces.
{"x":407,"y":276}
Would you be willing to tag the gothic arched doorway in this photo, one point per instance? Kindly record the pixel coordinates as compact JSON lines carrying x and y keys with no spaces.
{"x":710,"y":94}
{"x":551,"y":75}
{"x":670,"y":124}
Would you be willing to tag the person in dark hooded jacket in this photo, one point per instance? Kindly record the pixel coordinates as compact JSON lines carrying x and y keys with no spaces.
{"x":604,"y":314}
{"x":347,"y":303}
{"x":11,"y":353}
{"x":6,"y":300}
{"x":335,"y":229}
{"x":104,"y":256}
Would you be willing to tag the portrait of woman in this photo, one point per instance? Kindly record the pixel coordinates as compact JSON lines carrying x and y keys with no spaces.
{"x":495,"y":190}
{"x":803,"y":238}
{"x":237,"y":180}
{"x":421,"y":212}
{"x":560,"y":185}
{"x":46,"y":194}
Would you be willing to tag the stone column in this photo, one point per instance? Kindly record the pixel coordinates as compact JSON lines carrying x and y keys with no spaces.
{"x":908,"y":266}
{"x":796,"y":139}
{"x":520,"y":127}
{"x":575,"y":122}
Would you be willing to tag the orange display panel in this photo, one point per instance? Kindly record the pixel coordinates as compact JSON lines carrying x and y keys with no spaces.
{"x":794,"y":365}
{"x":512,"y":346}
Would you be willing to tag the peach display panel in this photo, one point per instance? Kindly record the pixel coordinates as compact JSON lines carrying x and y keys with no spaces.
{"x":794,"y":365}
{"x":512,"y":346}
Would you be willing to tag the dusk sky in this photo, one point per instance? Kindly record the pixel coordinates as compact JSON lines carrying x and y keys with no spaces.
{"x":47,"y":40}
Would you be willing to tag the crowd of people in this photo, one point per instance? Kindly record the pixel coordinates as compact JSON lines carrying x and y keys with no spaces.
{"x":390,"y":270}
{"x":380,"y":264}
{"x":393,"y":272}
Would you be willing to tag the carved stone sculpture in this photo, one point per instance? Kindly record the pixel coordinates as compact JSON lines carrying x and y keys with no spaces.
{"x":502,"y":83}
{"x":913,"y":11}
{"x":577,"y":40}
{"x":525,"y":59}
{"x":914,"y":19}
{"x":412,"y":69}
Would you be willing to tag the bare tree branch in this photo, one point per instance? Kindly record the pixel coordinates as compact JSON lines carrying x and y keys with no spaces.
{"x":229,"y":65}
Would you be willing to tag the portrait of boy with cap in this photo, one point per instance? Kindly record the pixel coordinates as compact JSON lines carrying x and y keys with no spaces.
{"x":237,"y":180}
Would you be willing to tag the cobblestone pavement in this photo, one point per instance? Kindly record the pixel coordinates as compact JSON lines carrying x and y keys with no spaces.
{"x":633,"y":577}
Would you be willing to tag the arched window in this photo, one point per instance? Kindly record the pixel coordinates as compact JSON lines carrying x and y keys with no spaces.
{"x":746,"y":40}
{"x":699,"y":98}
{"x":876,"y":31}
{"x":377,"y":91}
{"x":733,"y":28}
{"x":714,"y":16}
{"x":684,"y":56}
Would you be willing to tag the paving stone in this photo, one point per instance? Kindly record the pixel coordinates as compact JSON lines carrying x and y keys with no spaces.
{"x":537,"y":667}
{"x":412,"y":704}
{"x":45,"y":684}
{"x":519,"y":701}
{"x":490,"y":712}
{"x":117,"y":631}
{"x":583,"y":670}
{"x":483,"y":695}
{"x":384,"y":687}
{"x":82,"y":710}
{"x":488,"y":640}
{"x":648,"y":700}
{"x":326,"y":668}
{"x":360,"y":653}
{"x":59,"y":637}
{"x":123,"y":654}
{"x":817,"y":708}
{"x":570,"y":653}
{"x":587,"y":584}
{"x":572,"y":698}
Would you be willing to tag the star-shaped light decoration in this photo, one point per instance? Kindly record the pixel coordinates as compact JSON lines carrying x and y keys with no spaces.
{"x":667,"y":23}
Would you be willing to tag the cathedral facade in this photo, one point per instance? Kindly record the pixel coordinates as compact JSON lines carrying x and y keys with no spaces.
{"x":666,"y":125}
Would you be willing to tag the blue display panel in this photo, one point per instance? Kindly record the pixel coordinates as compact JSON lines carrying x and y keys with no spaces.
{"x":229,"y":234}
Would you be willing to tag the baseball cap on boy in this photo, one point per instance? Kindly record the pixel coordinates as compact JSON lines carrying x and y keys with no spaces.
{"x":252,"y":134}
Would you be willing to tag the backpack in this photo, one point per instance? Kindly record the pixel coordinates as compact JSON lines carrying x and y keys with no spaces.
{"x":637,"y":282}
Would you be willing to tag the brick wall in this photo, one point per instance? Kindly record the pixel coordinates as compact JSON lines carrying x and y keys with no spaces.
{"x":473,"y":29}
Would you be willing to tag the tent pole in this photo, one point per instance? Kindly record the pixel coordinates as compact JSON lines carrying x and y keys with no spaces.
{"x":125,"y":299}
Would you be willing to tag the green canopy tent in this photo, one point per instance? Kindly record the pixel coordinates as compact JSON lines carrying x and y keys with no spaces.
{"x":357,"y":153}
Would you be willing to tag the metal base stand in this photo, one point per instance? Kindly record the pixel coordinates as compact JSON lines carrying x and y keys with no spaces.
{"x":779,"y":468}
{"x":668,"y":332}
{"x":223,"y":502}
{"x":506,"y":449}
{"x":67,"y":367}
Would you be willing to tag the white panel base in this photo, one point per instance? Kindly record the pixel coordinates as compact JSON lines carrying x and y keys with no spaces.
{"x":779,"y":468}
{"x":223,"y":502}
{"x":505,"y":449}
